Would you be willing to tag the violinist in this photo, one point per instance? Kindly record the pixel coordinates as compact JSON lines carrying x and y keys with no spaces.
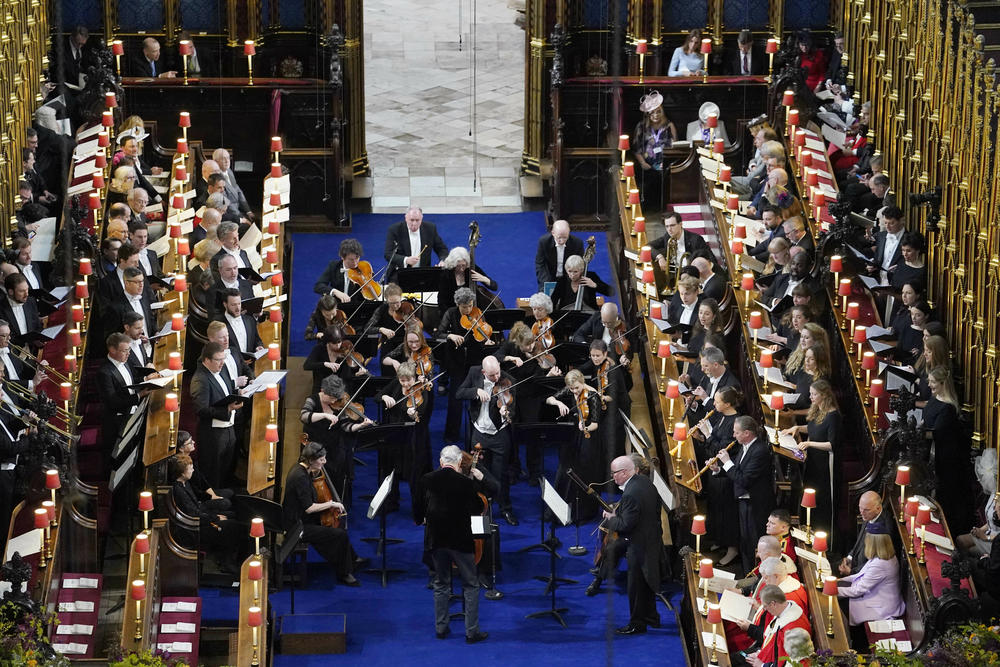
{"x":573,"y":280}
{"x":323,"y":422}
{"x":460,"y":274}
{"x":608,"y":378}
{"x":302,"y":506}
{"x":327,"y":314}
{"x":458,"y":350}
{"x":414,"y":349}
{"x":406,"y":401}
{"x":389,"y":316}
{"x":580,"y":403}
{"x":335,"y":280}
{"x":711,"y":435}
{"x":606,"y":325}
{"x":334,"y":354}
{"x":541,"y":308}
{"x":490,"y":412}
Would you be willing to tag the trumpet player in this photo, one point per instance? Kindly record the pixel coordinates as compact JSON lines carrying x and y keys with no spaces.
{"x":15,"y":368}
{"x":677,"y":240}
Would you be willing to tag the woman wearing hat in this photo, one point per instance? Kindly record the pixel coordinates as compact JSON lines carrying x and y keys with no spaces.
{"x":653,"y":135}
{"x":698,"y":130}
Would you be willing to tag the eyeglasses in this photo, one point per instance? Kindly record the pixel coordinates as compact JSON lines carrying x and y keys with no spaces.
{"x":615,"y":472}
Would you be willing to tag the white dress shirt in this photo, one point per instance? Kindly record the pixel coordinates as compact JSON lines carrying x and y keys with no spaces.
{"x":221,"y":423}
{"x":239,"y":330}
{"x":29,"y":272}
{"x":135,"y":303}
{"x":19,"y":319}
{"x":746,"y":63}
{"x":483,"y":422}
{"x":414,"y":243}
{"x":560,"y":258}
{"x":232,"y":367}
{"x":240,"y":264}
{"x":687,"y":314}
{"x":891,"y":242}
{"x":144,"y":262}
{"x":124,"y":371}
{"x":10,"y":370}
{"x":140,"y":350}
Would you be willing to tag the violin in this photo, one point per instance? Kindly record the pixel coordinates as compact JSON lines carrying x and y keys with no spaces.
{"x":340,"y":318}
{"x":350,"y":410}
{"x":505,"y":399}
{"x":583,"y":412}
{"x":542,"y":331}
{"x":423,"y":359}
{"x":414,"y":400}
{"x":619,"y":344}
{"x":474,"y":323}
{"x":602,"y":382}
{"x":470,"y":461}
{"x":546,"y":360}
{"x":348,"y":355}
{"x":362,"y":277}
{"x":324,"y":494}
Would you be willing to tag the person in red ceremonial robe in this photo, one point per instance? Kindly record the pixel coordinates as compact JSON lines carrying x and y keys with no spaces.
{"x":781,"y":616}
{"x":739,"y":634}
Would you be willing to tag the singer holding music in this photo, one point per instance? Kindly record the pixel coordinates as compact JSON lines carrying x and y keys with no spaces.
{"x":321,"y":519}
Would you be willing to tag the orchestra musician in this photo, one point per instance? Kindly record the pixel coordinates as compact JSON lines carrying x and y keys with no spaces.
{"x":715,"y":376}
{"x":460,"y":274}
{"x":711,"y":435}
{"x":321,"y":520}
{"x":409,"y":243}
{"x":406,"y":401}
{"x":447,"y":500}
{"x":491,"y":410}
{"x":676,"y":236}
{"x":414,"y":349}
{"x":327,"y":314}
{"x":608,"y":377}
{"x":334,"y":280}
{"x":334,"y":355}
{"x":388,"y":318}
{"x":552,"y":251}
{"x":606,"y":325}
{"x":564,"y":296}
{"x":11,"y":448}
{"x":581,"y":404}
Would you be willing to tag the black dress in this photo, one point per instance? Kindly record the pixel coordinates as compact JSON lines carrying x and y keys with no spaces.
{"x":410,"y":460}
{"x":821,"y":470}
{"x":316,"y":364}
{"x":446,"y":292}
{"x":456,"y":361}
{"x":611,"y":426}
{"x":718,"y":488}
{"x":952,"y":464}
{"x":564,"y":298}
{"x":338,"y":444}
{"x":907,"y":340}
{"x":581,"y":454}
{"x":908,"y":274}
{"x":803,"y":381}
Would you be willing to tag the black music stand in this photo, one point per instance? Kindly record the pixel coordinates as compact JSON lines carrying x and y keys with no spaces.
{"x":568,"y":321}
{"x":377,"y":438}
{"x":502,"y":319}
{"x":560,"y":511}
{"x":359,"y":312}
{"x":569,"y":353}
{"x":542,"y":433}
{"x":377,"y":508}
{"x":420,"y":279}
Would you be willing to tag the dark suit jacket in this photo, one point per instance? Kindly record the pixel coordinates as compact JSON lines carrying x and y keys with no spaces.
{"x":897,"y":255}
{"x":638,"y":519}
{"x":222,"y":253}
{"x":806,"y":242}
{"x":71,"y":67}
{"x":590,"y":330}
{"x":31,"y":318}
{"x":397,"y":246}
{"x":253,"y":336}
{"x":447,"y":499}
{"x":113,"y":315}
{"x":141,"y":171}
{"x":714,"y":287}
{"x":21,"y":367}
{"x":754,"y":475}
{"x":215,"y":296}
{"x":857,"y":553}
{"x":760,"y":250}
{"x":868,"y":204}
{"x":42,"y":271}
{"x":116,"y":401}
{"x":692,"y":243}
{"x":675,"y":308}
{"x":467,"y":392}
{"x":778,"y":287}
{"x":154,"y":263}
{"x":140,"y":67}
{"x":758,"y":61}
{"x":205,"y":392}
{"x":333,"y":277}
{"x":563,"y":296}
{"x":546,"y":257}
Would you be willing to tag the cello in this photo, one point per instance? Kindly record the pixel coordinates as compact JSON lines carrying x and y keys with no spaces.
{"x":325,"y":492}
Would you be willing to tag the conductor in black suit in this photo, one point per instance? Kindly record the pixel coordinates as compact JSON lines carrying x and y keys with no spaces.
{"x":19,"y":308}
{"x":751,"y":469}
{"x":409,"y":243}
{"x":445,"y":503}
{"x":113,"y":380}
{"x":215,"y":424}
{"x":637,"y":519}
{"x":553,"y":250}
{"x":148,"y":63}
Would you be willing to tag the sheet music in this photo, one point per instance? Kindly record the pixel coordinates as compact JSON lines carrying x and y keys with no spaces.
{"x":251,"y":238}
{"x":815,"y":145}
{"x":155,"y":208}
{"x":885,"y":627}
{"x":281,"y":184}
{"x":666,"y":497}
{"x":834,"y":136}
{"x":26,"y":544}
{"x":875,"y":331}
{"x":871,"y":283}
{"x":478,"y":522}
{"x":736,"y":607}
{"x":44,"y":240}
{"x":879,"y":346}
{"x":380,"y":495}
{"x":707,"y":639}
{"x":559,"y":507}
{"x":785,"y":442}
{"x":281,"y":215}
{"x":84,"y":169}
{"x":261,"y":381}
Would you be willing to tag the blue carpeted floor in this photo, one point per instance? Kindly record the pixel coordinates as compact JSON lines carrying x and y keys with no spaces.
{"x":394,"y":625}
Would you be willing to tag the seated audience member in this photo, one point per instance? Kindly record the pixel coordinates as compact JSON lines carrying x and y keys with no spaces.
{"x":871,"y":512}
{"x":979,"y":541}
{"x":698,"y":130}
{"x":798,"y":235}
{"x":875,"y":199}
{"x":757,"y":167}
{"x":776,"y":178}
{"x":214,"y":500}
{"x":746,"y":60}
{"x":216,"y":528}
{"x":986,"y":575}
{"x":781,"y":615}
{"x":799,"y":645}
{"x":874,"y":592}
{"x":686,"y":59}
{"x":207,"y":227}
{"x":812,"y":60}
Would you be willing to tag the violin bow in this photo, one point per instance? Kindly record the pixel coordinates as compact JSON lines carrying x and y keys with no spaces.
{"x":552,"y":326}
{"x":482,"y":314}
{"x":418,"y":385}
{"x":351,"y":399}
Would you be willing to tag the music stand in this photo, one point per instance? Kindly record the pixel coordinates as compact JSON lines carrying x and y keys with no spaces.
{"x":541,"y":433}
{"x":567,"y":322}
{"x":420,"y":279}
{"x":360,"y":312}
{"x":376,"y":509}
{"x":503,"y":319}
{"x":570,"y":353}
{"x":560,"y":510}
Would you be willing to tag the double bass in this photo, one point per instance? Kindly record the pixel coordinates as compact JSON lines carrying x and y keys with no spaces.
{"x":480,"y":291}
{"x":588,"y":257}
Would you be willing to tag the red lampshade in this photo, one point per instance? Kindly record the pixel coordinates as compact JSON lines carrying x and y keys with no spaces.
{"x":680,"y":431}
{"x":737,"y":247}
{"x":272,"y":256}
{"x":180,"y":283}
{"x":719,"y":146}
{"x":740,"y":230}
{"x":249,"y":48}
{"x":714,"y":614}
{"x":174,"y":229}
{"x":830,"y":586}
{"x":903,"y":475}
{"x":853,"y":310}
{"x":639,"y":225}
{"x":82,"y":290}
{"x":628,"y":170}
{"x":50,"y":510}
{"x":101,"y":160}
{"x":170,"y":403}
{"x":877,"y":390}
{"x":766,"y":358}
{"x":733,"y":202}
{"x":275,"y":170}
{"x":646,"y":254}
{"x":75,"y":339}
{"x":145,"y":501}
{"x":656,"y":311}
{"x":793,"y":116}
{"x":271,"y":392}
{"x":181,"y":173}
{"x":673,"y":389}
{"x":808,"y":498}
{"x":85,"y":267}
{"x":276,"y":145}
{"x":108,"y":119}
{"x":641,"y":46}
{"x":648,"y":277}
{"x":138,"y":590}
{"x":94,"y":201}
{"x":633,"y":196}
{"x":256,"y":527}
{"x":788,"y":98}
{"x":912,"y":505}
{"x":273,"y":352}
{"x":77,"y":312}
{"x":177,"y":322}
{"x":52,"y":479}
{"x":806,"y":159}
{"x":255,"y":570}
{"x":698,"y":524}
{"x":182,"y":145}
{"x":98,"y":181}
{"x":117,"y":48}
{"x":747,"y":283}
{"x":142,"y":543}
{"x":860,"y":334}
{"x":844,"y":289}
{"x":274,"y":314}
{"x":923,"y":515}
{"x":183,"y":247}
{"x":712,"y":120}
{"x":278,"y":280}
{"x":275,"y":199}
{"x":174,"y":361}
{"x":197,"y":220}
{"x":41,"y":518}
{"x":103,"y":141}
{"x":185,"y":48}
{"x":868,"y":361}
{"x":819,"y":541}
{"x":777,"y":400}
{"x":756,"y":320}
{"x":184,"y":119}
{"x":705,"y":570}
{"x":69,"y":363}
{"x":663,"y":349}
{"x":271,"y":433}
{"x":800,"y":137}
{"x":836,"y":264}
{"x":274,"y":228}
{"x":623,"y":142}
{"x":725,"y":173}
{"x":812,"y":177}
{"x":178,"y":202}
{"x":706,"y":45}
{"x":254,"y":617}
{"x":819,"y":198}
{"x":772,"y":46}
{"x":110,"y":100}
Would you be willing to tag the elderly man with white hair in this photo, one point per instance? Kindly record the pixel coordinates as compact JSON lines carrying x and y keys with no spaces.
{"x":743,"y":633}
{"x":409,"y":243}
{"x":233,"y":191}
{"x":605,"y":325}
{"x":553,"y":250}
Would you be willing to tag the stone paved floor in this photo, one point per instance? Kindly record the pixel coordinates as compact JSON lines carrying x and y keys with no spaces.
{"x":419,"y":109}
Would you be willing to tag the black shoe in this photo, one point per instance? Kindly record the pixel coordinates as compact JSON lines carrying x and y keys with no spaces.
{"x":654,"y":623}
{"x":360,"y":562}
{"x":443,"y":635}
{"x":476,"y":638}
{"x":594,"y":588}
{"x":630,"y":630}
{"x":349,"y":580}
{"x":509,"y":517}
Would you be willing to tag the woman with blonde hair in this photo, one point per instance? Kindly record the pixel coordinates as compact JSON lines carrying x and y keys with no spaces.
{"x":811,"y":334}
{"x":873,"y":593}
{"x":952,"y":462}
{"x":815,"y":366}
{"x":936,"y":354}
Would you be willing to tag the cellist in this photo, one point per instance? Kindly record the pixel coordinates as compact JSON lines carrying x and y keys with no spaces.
{"x":564,"y":296}
{"x":302,"y":504}
{"x":334,"y":279}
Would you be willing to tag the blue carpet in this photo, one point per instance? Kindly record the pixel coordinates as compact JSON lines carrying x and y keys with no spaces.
{"x":394,"y":625}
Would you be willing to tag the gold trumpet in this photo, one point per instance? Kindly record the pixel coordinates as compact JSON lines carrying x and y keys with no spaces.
{"x":673,"y":276}
{"x":35,"y":422}
{"x":28,"y":357}
{"x":28,"y":395}
{"x":709,"y":463}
